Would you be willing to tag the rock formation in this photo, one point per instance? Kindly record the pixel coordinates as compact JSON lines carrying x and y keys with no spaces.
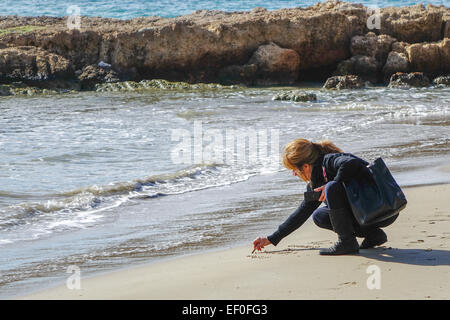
{"x":255,"y":47}
{"x":431,"y":58}
{"x":443,"y":81}
{"x":408,"y":80}
{"x":396,"y":62}
{"x":93,"y":74}
{"x":344,"y":82}
{"x":364,"y":66}
{"x":268,"y":65}
{"x":297,"y":96}
{"x":32,"y":63}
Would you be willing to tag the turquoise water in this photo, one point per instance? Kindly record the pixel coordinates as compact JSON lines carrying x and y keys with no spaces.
{"x":126,"y":9}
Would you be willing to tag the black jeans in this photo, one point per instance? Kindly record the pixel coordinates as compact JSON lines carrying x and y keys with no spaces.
{"x":336,"y":198}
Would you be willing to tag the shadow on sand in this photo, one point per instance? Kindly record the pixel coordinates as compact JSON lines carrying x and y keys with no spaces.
{"x":418,"y":257}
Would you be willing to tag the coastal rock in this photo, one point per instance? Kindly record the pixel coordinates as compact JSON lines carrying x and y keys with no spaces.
{"x":159,"y":84}
{"x":408,"y":80}
{"x":32,"y":64}
{"x":430,"y":57}
{"x":269,"y":65}
{"x":245,"y":74}
{"x":447,"y":29}
{"x":413,"y":24}
{"x":363,"y":66}
{"x":5,"y":90}
{"x":396,"y":62}
{"x":275,"y":65}
{"x":344,"y":82}
{"x":197,"y":46}
{"x":442,"y":81}
{"x":20,"y":89}
{"x":297,"y":96}
{"x":93,"y":74}
{"x":400,"y":47}
{"x":371,"y":45}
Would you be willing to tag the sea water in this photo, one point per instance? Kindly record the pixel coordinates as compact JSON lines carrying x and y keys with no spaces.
{"x":127,"y":9}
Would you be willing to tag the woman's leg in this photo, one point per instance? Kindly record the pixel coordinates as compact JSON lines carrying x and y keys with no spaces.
{"x":338,"y":198}
{"x":374,"y":236}
{"x":342,"y":220}
{"x":321,"y":217}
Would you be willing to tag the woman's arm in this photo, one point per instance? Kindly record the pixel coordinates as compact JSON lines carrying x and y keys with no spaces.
{"x":294,"y":221}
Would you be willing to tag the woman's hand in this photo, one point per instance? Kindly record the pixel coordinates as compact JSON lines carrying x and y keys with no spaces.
{"x":322,"y":195}
{"x":260,"y":243}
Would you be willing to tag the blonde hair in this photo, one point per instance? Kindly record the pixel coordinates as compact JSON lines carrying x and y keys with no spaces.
{"x":301,"y":151}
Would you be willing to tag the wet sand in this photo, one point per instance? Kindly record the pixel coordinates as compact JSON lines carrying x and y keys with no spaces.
{"x":413,"y":264}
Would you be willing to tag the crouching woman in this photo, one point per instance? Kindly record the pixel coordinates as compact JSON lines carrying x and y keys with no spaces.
{"x":325,"y":168}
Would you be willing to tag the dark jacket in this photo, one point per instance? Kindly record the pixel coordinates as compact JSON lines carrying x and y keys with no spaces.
{"x":341,"y":167}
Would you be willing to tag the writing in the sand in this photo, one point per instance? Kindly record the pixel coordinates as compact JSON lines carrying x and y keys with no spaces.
{"x":199,"y":310}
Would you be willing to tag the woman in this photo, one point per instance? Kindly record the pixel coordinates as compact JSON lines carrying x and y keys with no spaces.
{"x":325,"y":168}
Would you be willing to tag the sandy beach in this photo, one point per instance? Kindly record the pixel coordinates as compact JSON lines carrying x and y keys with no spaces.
{"x":413,"y":264}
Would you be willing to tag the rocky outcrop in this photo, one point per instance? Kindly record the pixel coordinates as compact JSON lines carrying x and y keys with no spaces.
{"x":362,"y":66}
{"x":371,"y":45}
{"x":275,"y":65}
{"x":408,"y":80}
{"x":269,"y":64}
{"x":195,"y":47}
{"x":297,"y":96}
{"x":396,"y":62}
{"x":32,"y":64}
{"x":414,"y":24}
{"x":447,"y":29}
{"x":443,"y":81}
{"x":245,"y":74}
{"x":93,"y":74}
{"x":377,"y":58}
{"x":344,"y":82}
{"x":206,"y":46}
{"x":431,"y":58}
{"x":20,"y":89}
{"x":369,"y":60}
{"x":159,"y":84}
{"x":400,"y":46}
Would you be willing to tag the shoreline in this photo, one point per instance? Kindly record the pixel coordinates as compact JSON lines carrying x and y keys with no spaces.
{"x":32,"y":285}
{"x":302,"y":89}
{"x":198,"y":276}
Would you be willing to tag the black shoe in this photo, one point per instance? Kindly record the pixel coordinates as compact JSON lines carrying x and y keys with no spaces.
{"x":375,"y":238}
{"x":343,"y":246}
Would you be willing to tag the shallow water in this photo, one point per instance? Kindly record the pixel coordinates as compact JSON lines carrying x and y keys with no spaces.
{"x":94,"y":179}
